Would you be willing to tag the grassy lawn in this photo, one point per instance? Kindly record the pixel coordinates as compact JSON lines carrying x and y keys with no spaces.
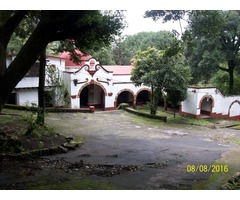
{"x":178,"y":118}
{"x":237,"y":127}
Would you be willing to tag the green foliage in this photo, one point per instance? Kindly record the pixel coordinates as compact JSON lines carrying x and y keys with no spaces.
{"x":30,"y":117}
{"x":203,"y":56}
{"x":212,"y":40}
{"x":73,"y":182}
{"x":221,"y":81}
{"x":58,"y":93}
{"x":166,"y":15}
{"x":179,"y":119}
{"x":104,"y":56}
{"x":83,"y":29}
{"x":124,"y":48}
{"x":161,"y":70}
{"x":10,"y":145}
{"x":33,"y":128}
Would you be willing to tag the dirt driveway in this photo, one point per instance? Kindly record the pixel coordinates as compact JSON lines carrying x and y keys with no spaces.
{"x":169,"y":153}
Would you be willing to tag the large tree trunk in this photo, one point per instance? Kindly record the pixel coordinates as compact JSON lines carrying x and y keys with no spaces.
{"x":23,"y":62}
{"x":41,"y":89}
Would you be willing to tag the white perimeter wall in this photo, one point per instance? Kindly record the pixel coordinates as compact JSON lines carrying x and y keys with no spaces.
{"x":222,"y":105}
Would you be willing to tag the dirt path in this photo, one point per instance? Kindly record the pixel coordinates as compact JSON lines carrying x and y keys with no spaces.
{"x":126,"y":153}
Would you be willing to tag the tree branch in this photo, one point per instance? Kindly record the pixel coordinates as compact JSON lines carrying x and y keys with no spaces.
{"x":223,"y":69}
{"x":10,"y":26}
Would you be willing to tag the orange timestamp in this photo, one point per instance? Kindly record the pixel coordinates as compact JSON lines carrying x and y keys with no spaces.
{"x":215,"y":168}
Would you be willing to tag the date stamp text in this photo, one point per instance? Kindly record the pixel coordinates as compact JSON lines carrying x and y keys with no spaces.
{"x":215,"y":168}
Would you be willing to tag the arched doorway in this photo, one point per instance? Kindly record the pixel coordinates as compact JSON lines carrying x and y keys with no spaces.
{"x":143,"y":97}
{"x":234,"y":109}
{"x":92,"y":95}
{"x":206,"y":105}
{"x":125,"y":96}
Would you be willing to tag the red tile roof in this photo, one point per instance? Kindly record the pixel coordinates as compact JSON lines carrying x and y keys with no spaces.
{"x":116,"y":69}
{"x":119,"y":69}
{"x":70,"y":63}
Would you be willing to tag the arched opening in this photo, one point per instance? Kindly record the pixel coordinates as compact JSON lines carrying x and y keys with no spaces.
{"x":143,"y":97}
{"x":206,"y":105}
{"x":234,"y":109}
{"x":125,"y":97}
{"x":92,"y":95}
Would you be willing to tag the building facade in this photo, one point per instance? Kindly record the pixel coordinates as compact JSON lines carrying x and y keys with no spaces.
{"x":209,"y":101}
{"x":88,"y":84}
{"x":105,"y":87}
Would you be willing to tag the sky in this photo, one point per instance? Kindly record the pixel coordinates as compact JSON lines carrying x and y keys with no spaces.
{"x":137,"y":23}
{"x":134,"y":13}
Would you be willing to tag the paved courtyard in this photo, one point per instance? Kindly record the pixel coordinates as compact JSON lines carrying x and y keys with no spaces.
{"x":167,"y":153}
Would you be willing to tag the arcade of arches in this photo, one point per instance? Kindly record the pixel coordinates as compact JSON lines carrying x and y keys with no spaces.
{"x":94,"y":95}
{"x":127,"y":96}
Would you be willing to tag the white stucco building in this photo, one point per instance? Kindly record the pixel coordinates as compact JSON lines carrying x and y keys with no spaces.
{"x":26,"y":91}
{"x":90,"y":84}
{"x":210,"y":101}
{"x":103,"y":87}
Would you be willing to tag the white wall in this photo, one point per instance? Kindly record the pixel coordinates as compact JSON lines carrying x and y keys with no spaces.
{"x":190,"y":104}
{"x":112,"y":84}
{"x":28,"y":82}
{"x":234,"y":110}
{"x":27,"y":97}
{"x":222,"y":104}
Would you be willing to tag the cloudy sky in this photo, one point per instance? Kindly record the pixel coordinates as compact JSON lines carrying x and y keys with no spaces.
{"x":135,"y":9}
{"x":137,"y":23}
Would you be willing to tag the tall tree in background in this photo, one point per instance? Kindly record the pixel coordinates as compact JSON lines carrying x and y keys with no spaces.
{"x":84,"y":29}
{"x":122,"y":50}
{"x":212,"y":41}
{"x":141,"y":42}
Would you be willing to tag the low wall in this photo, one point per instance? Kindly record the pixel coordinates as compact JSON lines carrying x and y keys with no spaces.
{"x":163,"y":118}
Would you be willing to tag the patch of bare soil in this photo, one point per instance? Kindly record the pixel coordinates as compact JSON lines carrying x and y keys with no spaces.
{"x":12,"y":141}
{"x":30,"y":171}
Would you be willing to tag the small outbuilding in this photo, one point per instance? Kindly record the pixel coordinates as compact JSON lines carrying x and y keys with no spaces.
{"x":209,"y":101}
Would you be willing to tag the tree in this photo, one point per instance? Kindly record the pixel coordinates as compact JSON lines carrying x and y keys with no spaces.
{"x":41,"y":89}
{"x":57,"y":88}
{"x":212,"y":39}
{"x":221,"y":80}
{"x":215,"y":35}
{"x":168,"y":15}
{"x":161,"y":70}
{"x":104,"y":55}
{"x":125,"y":48}
{"x":84,"y":29}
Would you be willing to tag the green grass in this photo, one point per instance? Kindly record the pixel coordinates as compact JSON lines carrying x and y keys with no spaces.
{"x":177,"y":120}
{"x":82,"y":184}
{"x":236,"y":141}
{"x":5,"y":119}
{"x":237,"y":127}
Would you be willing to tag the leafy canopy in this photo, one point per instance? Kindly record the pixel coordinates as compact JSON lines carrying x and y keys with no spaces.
{"x":83,"y":29}
{"x":162,"y":70}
